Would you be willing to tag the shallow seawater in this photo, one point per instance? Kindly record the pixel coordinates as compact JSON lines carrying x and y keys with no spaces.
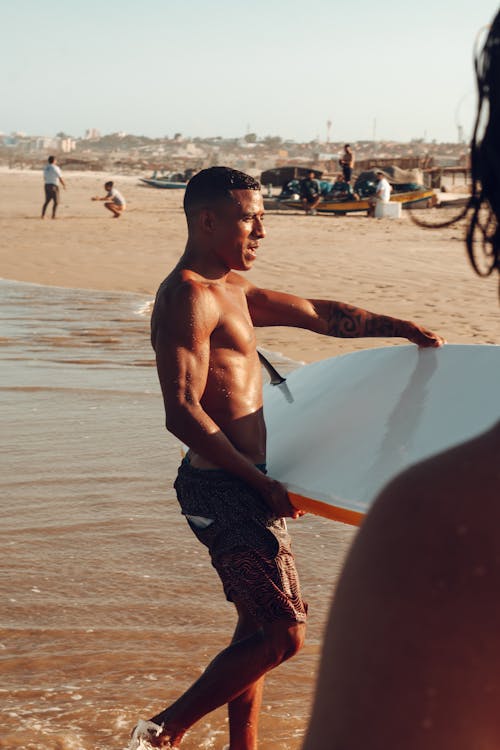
{"x":109,"y":606}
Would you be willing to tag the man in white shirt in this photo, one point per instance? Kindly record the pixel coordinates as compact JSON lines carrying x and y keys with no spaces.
{"x":52,"y":177}
{"x":382,"y":193}
{"x":113,"y":200}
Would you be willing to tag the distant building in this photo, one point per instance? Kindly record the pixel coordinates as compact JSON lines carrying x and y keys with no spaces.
{"x":67,"y":145}
{"x":45,"y":143}
{"x":92,"y":134}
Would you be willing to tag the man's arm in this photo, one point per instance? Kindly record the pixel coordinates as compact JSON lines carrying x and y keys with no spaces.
{"x":182,"y":345}
{"x":330,"y":318}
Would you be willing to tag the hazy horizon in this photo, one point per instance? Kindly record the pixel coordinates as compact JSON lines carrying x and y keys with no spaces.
{"x":260,"y":139}
{"x":381,"y":71}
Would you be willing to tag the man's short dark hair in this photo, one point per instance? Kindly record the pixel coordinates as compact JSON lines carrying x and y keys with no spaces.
{"x":347,"y":145}
{"x":51,"y":159}
{"x":108,"y":184}
{"x":215,"y":184}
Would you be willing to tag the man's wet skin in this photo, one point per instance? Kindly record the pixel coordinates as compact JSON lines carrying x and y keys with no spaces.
{"x":232,"y":394}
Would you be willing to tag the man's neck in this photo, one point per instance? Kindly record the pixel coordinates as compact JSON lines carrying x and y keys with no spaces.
{"x":204,"y":263}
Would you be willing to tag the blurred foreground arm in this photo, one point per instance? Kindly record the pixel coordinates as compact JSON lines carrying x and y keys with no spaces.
{"x":412,"y":653}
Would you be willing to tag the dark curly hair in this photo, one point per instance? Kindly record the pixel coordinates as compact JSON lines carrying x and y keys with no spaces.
{"x":483,"y":209}
{"x":215,"y":184}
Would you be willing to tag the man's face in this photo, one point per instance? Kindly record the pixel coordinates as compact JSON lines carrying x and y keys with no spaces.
{"x":239,"y":227}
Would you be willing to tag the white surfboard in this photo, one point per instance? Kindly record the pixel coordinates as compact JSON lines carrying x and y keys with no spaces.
{"x":340,"y":429}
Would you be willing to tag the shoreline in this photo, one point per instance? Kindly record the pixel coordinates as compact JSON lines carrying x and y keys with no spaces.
{"x":388,"y":266}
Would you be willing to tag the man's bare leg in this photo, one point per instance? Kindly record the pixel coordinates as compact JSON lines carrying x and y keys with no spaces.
{"x":116,"y":211}
{"x":234,"y":671}
{"x":244,"y":710}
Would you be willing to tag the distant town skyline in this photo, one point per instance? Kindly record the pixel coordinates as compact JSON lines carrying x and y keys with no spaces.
{"x":44,"y":140}
{"x":332,"y":72}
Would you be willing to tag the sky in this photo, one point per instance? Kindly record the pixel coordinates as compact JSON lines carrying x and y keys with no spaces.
{"x":381,"y":70}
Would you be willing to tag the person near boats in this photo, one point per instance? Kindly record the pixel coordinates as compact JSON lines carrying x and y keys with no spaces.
{"x":347,"y":161}
{"x":382,"y":193}
{"x":310,"y":193}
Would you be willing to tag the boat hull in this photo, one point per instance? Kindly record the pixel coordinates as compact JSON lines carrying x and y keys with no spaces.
{"x":417,"y":198}
{"x":164,"y":184}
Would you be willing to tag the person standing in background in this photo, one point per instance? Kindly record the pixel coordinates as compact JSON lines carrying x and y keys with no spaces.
{"x":52,"y":176}
{"x":347,"y":163}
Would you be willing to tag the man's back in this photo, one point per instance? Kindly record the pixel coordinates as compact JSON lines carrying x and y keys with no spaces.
{"x":51,"y":174}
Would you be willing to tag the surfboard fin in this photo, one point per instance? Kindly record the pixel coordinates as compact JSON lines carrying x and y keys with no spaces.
{"x":276,"y":378}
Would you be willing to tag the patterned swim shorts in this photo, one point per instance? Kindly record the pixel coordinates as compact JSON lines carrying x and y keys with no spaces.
{"x":249,"y":548}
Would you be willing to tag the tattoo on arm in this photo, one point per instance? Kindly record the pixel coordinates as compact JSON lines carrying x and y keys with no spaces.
{"x":346,"y":321}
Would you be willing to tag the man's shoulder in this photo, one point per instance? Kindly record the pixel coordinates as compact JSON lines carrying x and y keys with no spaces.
{"x":181,"y":284}
{"x":52,"y":169}
{"x":181,"y":303}
{"x":183,"y":290}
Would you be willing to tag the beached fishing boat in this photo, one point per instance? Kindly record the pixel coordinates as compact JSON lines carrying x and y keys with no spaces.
{"x":167,"y":181}
{"x":168,"y":184}
{"x":340,"y":198}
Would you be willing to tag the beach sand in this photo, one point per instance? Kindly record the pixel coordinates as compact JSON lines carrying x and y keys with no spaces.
{"x":389,"y":266}
{"x":110,"y":608}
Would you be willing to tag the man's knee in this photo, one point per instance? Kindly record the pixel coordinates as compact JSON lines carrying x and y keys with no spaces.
{"x":284,"y":640}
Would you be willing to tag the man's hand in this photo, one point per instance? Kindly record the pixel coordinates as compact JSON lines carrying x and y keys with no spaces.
{"x":276,"y":497}
{"x":423,"y":337}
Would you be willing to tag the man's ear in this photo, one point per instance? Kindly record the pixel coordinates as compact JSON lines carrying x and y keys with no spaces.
{"x":207,"y":220}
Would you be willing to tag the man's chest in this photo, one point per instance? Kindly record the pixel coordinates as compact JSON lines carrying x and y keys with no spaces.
{"x":235,"y":329}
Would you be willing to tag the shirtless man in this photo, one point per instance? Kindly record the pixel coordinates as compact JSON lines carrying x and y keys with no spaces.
{"x":203,"y":334}
{"x":347,"y":162}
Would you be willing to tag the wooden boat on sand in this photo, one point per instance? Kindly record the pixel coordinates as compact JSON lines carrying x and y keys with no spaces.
{"x":340,"y":198}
